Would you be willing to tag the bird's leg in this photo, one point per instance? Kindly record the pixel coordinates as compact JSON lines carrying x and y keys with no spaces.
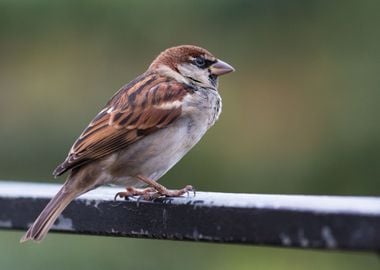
{"x":163,"y":191}
{"x":145,"y":193}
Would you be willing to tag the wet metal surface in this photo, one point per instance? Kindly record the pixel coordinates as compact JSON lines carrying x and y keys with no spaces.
{"x":325,"y":222}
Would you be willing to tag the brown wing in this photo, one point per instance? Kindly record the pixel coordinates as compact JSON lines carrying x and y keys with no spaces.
{"x":144,"y":105}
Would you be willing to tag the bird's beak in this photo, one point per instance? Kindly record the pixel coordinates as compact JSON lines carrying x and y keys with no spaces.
{"x":221,"y":68}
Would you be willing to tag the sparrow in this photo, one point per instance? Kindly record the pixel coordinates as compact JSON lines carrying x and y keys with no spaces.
{"x":142,"y":132}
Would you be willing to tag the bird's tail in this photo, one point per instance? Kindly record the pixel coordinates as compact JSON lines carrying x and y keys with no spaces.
{"x":46,"y":219}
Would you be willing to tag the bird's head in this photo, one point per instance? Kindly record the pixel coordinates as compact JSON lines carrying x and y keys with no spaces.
{"x":191,"y":65}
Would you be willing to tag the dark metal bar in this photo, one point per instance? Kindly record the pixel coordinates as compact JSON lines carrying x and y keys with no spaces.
{"x":324,"y":222}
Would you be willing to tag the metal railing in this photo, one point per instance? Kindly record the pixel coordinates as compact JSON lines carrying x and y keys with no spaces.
{"x":319,"y":222}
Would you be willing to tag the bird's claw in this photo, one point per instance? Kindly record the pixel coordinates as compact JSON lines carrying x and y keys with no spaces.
{"x":132,"y":192}
{"x":151,"y":193}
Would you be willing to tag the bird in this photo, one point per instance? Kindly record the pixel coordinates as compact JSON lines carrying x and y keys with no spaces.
{"x":146,"y":127}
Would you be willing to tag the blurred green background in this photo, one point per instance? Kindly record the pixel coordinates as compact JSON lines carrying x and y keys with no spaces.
{"x":300,"y":115}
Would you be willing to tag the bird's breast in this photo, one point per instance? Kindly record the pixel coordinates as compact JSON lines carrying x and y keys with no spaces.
{"x":204,"y":107}
{"x":155,"y":154}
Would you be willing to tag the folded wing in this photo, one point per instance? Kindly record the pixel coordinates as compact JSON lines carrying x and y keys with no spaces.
{"x":139,"y":108}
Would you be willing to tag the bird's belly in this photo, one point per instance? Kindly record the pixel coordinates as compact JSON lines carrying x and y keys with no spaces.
{"x":155,"y":154}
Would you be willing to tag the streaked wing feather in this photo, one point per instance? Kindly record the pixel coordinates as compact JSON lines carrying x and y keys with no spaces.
{"x":132,"y":113}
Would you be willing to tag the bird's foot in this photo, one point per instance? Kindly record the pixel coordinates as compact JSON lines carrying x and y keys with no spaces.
{"x":144,"y":193}
{"x":162,"y":191}
{"x":154,"y":191}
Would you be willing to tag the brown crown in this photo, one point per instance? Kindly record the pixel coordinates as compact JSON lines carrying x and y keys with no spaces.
{"x":180,"y":54}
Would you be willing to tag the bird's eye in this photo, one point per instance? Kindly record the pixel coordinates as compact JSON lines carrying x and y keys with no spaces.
{"x":200,"y":62}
